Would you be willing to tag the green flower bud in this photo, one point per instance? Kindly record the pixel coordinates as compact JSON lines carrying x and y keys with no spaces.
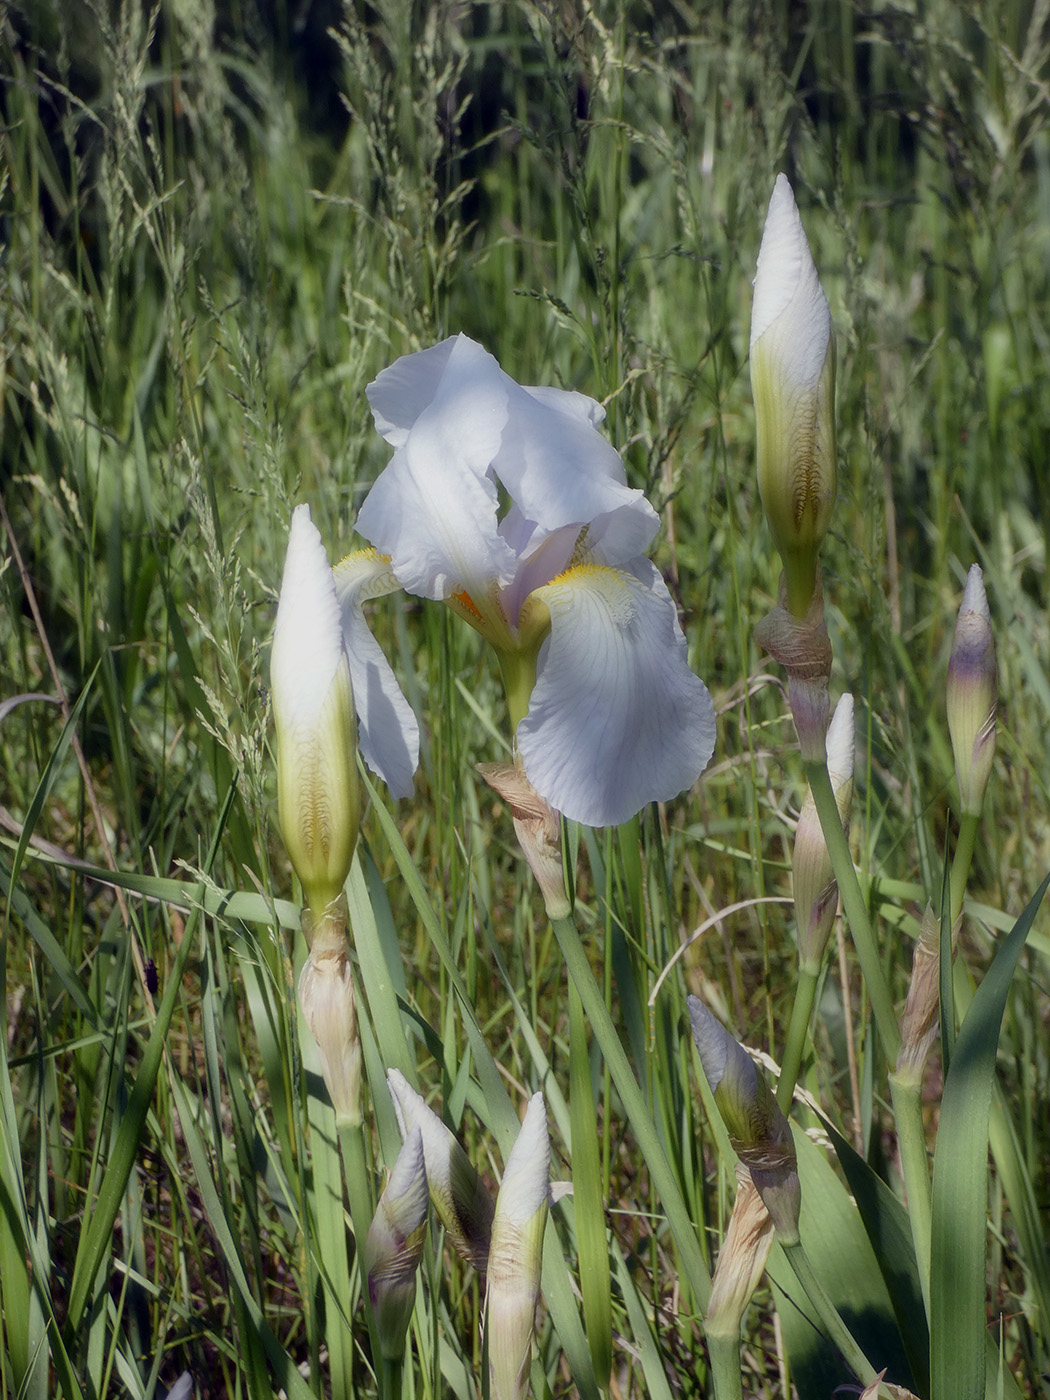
{"x":793,"y":383}
{"x":463,"y":1205}
{"x":972,"y":695}
{"x":394,"y":1246}
{"x":759,"y":1132}
{"x":516,"y":1255}
{"x":318,"y":798}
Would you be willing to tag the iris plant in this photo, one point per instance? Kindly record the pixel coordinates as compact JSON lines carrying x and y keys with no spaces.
{"x":508,"y":505}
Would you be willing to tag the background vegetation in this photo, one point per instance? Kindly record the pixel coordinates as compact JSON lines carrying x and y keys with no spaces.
{"x":219,"y":222}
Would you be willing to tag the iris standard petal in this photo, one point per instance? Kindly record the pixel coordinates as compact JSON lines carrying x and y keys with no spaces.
{"x":433,"y":510}
{"x":559,"y":470}
{"x":388,"y":732}
{"x":400,"y":393}
{"x":617,"y":719}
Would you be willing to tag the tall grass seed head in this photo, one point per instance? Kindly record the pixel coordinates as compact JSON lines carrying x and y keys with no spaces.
{"x":516,"y":1255}
{"x":318,"y":795}
{"x":394,"y":1245}
{"x":458,"y":1194}
{"x":972,"y":694}
{"x":793,"y":383}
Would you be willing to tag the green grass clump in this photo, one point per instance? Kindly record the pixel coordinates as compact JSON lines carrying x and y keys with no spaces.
{"x":218,"y":225}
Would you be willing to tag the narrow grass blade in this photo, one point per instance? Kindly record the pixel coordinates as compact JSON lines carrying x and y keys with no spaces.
{"x":285,"y":1372}
{"x":98,"y":1232}
{"x":502,"y":1118}
{"x":885,"y":1221}
{"x":382,"y":973}
{"x":588,"y":1196}
{"x":47,"y":779}
{"x":960,"y":1182}
{"x":636,"y":1109}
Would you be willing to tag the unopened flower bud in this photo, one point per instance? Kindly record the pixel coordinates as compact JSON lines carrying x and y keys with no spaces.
{"x":516,"y":1255}
{"x":318,"y":798}
{"x":463,"y":1205}
{"x":793,"y":383}
{"x":813,"y":882}
{"x":758,"y":1130}
{"x":972,"y":695}
{"x":326,"y":995}
{"x":394,"y":1246}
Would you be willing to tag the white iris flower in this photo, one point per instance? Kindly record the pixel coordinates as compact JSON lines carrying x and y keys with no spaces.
{"x":509,"y":506}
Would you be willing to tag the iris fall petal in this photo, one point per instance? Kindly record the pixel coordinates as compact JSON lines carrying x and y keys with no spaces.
{"x":617,"y":719}
{"x":388,"y":732}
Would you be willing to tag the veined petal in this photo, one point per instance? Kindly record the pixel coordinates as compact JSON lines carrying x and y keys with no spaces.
{"x":400,"y":393}
{"x":458,"y":423}
{"x":561,"y":471}
{"x":793,"y":382}
{"x":617,"y":719}
{"x":433,"y":509}
{"x":389,"y":732}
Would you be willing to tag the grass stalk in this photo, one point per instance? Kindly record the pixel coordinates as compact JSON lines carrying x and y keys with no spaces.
{"x":683,"y":1230}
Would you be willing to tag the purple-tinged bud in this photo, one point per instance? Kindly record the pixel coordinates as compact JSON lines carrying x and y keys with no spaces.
{"x":758,"y":1130}
{"x":972,"y":695}
{"x":394,"y":1246}
{"x":463,"y":1205}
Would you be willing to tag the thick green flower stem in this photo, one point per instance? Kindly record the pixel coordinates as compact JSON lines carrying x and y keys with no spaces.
{"x":906,"y":1095}
{"x":638,"y":1115}
{"x":856,"y":910}
{"x":798,"y":1031}
{"x":519,"y":678}
{"x":362,"y":1208}
{"x":724,"y":1353}
{"x":837,"y":1331}
{"x":961,"y":863}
